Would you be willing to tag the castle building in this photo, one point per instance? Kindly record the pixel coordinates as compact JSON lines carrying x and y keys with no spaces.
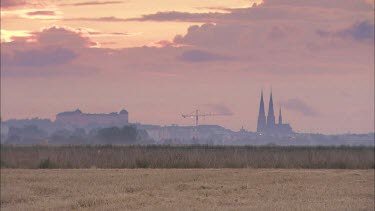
{"x":80,"y":119}
{"x":268,"y":125}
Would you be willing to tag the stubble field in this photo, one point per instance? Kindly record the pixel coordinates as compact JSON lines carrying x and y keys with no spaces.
{"x":187,"y":189}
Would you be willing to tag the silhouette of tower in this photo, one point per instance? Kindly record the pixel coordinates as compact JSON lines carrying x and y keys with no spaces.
{"x":271,"y":114}
{"x":280,"y":117}
{"x":261,"y":127}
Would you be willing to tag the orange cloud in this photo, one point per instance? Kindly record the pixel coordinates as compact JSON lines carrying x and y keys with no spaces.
{"x":91,"y":3}
{"x":11,"y":35}
{"x":41,"y":14}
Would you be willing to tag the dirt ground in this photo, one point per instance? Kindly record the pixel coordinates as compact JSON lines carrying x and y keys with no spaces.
{"x":187,"y":189}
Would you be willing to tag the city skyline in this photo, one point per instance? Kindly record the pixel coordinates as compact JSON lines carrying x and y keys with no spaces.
{"x":266,"y":124}
{"x":159,"y":59}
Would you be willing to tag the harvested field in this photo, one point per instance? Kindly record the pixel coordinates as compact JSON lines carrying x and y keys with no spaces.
{"x":157,"y":156}
{"x":187,"y":189}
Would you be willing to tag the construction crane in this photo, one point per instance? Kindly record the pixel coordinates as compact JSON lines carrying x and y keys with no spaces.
{"x":196,"y":115}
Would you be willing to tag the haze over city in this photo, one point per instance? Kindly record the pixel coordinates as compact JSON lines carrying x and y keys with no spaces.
{"x":159,"y":59}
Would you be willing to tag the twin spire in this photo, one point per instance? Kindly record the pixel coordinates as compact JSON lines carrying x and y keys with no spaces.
{"x":264,"y":125}
{"x":271,"y":114}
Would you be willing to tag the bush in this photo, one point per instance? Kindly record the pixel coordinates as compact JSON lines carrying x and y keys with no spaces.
{"x":46,"y":164}
{"x":142,"y":164}
{"x":2,"y":164}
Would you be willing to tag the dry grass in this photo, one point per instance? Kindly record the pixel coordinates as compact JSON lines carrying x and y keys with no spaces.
{"x":186,"y":157}
{"x":187,"y":189}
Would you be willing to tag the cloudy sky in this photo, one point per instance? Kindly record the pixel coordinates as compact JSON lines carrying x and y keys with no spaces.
{"x":161,"y":58}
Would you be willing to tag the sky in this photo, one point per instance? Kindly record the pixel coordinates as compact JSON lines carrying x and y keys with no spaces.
{"x":159,"y":59}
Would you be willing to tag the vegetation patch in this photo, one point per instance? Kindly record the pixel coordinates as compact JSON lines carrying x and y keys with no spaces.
{"x":2,"y":164}
{"x":142,"y":164}
{"x":46,"y":164}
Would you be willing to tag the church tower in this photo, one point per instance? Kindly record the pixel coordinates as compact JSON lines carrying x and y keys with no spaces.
{"x":271,"y":114}
{"x":280,"y":117}
{"x":261,"y":127}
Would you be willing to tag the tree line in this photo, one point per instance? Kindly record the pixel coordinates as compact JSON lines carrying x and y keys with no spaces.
{"x":31,"y":134}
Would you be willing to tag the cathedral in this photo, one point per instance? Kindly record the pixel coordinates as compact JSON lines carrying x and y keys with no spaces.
{"x":268,"y":125}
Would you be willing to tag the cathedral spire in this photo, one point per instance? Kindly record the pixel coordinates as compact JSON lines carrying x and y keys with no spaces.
{"x":271,"y":114}
{"x":261,"y":126}
{"x":280,"y":117}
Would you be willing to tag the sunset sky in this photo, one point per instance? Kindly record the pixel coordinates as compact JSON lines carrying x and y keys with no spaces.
{"x":161,"y":58}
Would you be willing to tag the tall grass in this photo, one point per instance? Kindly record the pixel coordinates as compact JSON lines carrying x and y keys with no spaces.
{"x":196,"y":156}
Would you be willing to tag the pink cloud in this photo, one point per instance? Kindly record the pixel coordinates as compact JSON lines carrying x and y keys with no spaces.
{"x":300,"y":106}
{"x":12,"y":3}
{"x":16,"y":4}
{"x":93,"y":3}
{"x":51,"y":37}
{"x":62,"y":37}
{"x":99,"y":19}
{"x":202,"y":56}
{"x":41,"y":57}
{"x":48,"y":49}
{"x":268,"y":10}
{"x":361,"y":31}
{"x":41,"y":13}
{"x":341,"y":4}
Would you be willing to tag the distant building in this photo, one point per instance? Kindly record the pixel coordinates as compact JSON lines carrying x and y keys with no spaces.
{"x":268,"y":125}
{"x":77,"y":118}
